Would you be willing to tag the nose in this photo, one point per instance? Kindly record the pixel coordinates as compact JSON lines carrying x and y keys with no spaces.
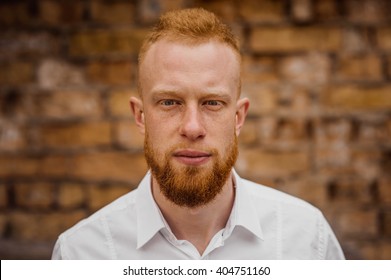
{"x":192,"y":125}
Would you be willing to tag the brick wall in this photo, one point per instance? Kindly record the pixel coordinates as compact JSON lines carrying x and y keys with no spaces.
{"x":318,"y":73}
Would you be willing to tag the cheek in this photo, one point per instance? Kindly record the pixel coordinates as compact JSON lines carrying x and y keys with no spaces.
{"x":158,"y":136}
{"x":222,"y":135}
{"x":160,"y":129}
{"x":222,"y":126}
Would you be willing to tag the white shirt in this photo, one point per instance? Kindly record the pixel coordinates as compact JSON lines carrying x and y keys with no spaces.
{"x":264,"y":224}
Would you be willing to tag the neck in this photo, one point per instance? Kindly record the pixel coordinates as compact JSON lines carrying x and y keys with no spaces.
{"x":197,"y":225}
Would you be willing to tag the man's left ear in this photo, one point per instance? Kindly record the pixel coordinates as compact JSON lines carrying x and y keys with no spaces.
{"x":242,"y":106}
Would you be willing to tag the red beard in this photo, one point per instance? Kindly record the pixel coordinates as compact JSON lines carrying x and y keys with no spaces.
{"x":191,"y":186}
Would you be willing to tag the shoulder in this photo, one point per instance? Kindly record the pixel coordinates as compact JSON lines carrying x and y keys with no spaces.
{"x":116,"y":207}
{"x":96,"y":229}
{"x":298,"y":227}
{"x":268,"y":193}
{"x":267,"y":199}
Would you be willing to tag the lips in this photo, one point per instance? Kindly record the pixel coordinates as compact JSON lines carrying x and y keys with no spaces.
{"x":192,"y":157}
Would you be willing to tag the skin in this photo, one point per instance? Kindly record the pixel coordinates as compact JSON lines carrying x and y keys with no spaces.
{"x":190,"y":98}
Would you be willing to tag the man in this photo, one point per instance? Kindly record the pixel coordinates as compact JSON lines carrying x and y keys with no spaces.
{"x":192,"y":204}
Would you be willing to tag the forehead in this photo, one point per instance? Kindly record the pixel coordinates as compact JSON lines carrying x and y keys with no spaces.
{"x":171,"y":41}
{"x":172,"y":63}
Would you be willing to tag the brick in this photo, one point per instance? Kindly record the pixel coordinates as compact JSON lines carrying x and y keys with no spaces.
{"x":257,"y":163}
{"x":347,"y":191}
{"x":266,"y":130}
{"x":259,"y":70}
{"x":357,"y":222}
{"x":75,"y":135}
{"x":150,"y":10}
{"x":372,"y":250}
{"x":291,"y":132}
{"x":25,"y":250}
{"x":42,"y":227}
{"x":261,"y":11}
{"x":358,"y":97}
{"x":384,"y":190}
{"x":359,"y":250}
{"x":18,"y":166}
{"x":99,"y":196}
{"x":333,"y":160}
{"x":301,"y":102}
{"x":383,"y":37}
{"x":3,"y":224}
{"x":333,"y":131}
{"x":54,"y":166}
{"x":97,"y":42}
{"x":385,"y":160}
{"x":60,"y":12}
{"x":33,"y":166}
{"x":110,"y":72}
{"x":115,"y":166}
{"x":368,"y":11}
{"x":310,"y":188}
{"x":127,"y":135}
{"x":288,"y":39}
{"x":386,"y":221}
{"x":3,"y":196}
{"x":263,"y":99}
{"x":388,"y":130}
{"x":15,"y":13}
{"x":68,"y":104}
{"x":248,"y":133}
{"x":113,"y":12}
{"x":332,"y":145}
{"x":302,"y":10}
{"x":282,"y":133}
{"x":326,"y":10}
{"x":15,"y":107}
{"x":54,"y":74}
{"x":388,"y":66}
{"x":28,"y":45}
{"x":12,"y":136}
{"x":71,"y":195}
{"x":356,"y":40}
{"x":16,"y":73}
{"x":359,"y":68}
{"x":34,"y":195}
{"x":367,"y":163}
{"x":385,"y":251}
{"x":224,"y":9}
{"x":306,"y":69}
{"x":371,"y":134}
{"x":119,"y":102}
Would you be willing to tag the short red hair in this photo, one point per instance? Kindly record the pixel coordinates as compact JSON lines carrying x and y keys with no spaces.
{"x":191,"y":26}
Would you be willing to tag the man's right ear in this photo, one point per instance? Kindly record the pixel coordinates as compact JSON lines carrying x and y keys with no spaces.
{"x":137,"y":108}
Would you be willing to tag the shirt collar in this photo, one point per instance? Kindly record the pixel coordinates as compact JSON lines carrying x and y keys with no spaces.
{"x":150,"y":220}
{"x":244,"y":212}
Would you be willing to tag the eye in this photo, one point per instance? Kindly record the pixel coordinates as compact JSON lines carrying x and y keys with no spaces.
{"x":213,"y":105}
{"x":169,"y":102}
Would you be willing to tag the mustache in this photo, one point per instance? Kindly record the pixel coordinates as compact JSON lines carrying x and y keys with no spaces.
{"x":191,"y":152}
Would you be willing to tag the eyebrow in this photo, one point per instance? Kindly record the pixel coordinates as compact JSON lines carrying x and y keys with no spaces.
{"x":220,"y":96}
{"x":156,"y":96}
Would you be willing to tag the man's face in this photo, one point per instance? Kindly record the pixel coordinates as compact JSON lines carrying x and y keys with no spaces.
{"x":191,"y":117}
